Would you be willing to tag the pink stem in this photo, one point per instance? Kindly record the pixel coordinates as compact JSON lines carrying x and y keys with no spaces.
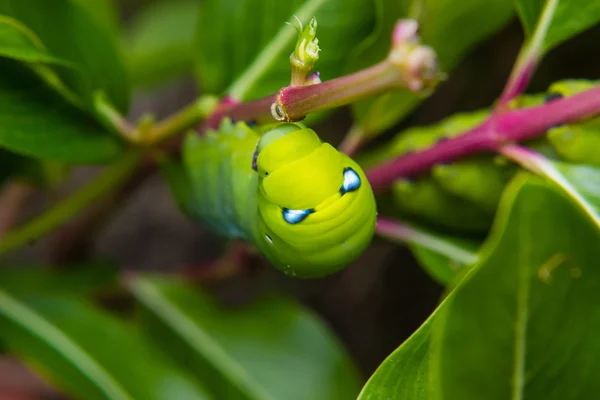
{"x":295,"y":102}
{"x":517,"y":83}
{"x":500,"y":129}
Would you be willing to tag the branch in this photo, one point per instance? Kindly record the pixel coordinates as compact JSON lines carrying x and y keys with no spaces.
{"x":84,"y":197}
{"x":500,"y":129}
{"x":528,"y":57}
{"x":408,"y":66}
{"x":12,"y":200}
{"x":397,"y":231}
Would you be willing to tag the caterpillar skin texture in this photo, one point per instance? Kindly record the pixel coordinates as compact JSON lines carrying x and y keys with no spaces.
{"x":307,"y":207}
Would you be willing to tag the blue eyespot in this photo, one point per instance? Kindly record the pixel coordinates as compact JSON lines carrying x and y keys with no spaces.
{"x":351,"y":181}
{"x":296,"y":216}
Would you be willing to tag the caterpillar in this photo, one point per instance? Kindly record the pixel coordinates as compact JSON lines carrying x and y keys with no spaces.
{"x":308,"y":208}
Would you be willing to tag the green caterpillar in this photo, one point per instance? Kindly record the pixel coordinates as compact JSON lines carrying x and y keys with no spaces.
{"x":308,"y":208}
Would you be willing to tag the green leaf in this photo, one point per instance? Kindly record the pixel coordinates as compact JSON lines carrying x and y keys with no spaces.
{"x":581,"y":183}
{"x":451,"y":27}
{"x":523,"y":323}
{"x":15,"y":167}
{"x":20,"y":43}
{"x":442,"y":256}
{"x":405,"y":373}
{"x":528,"y":313}
{"x":446,"y":264}
{"x":104,"y":11}
{"x":81,"y":279}
{"x":161,"y":41}
{"x":251,"y":55}
{"x":71,"y":34}
{"x":88,"y":353}
{"x":272,"y":349}
{"x":35,"y":121}
{"x":568,"y":18}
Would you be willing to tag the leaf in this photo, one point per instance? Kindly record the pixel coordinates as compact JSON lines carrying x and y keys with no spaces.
{"x":522,"y":324}
{"x":444,"y":268}
{"x":252,"y":53}
{"x":528,"y":313}
{"x":88,"y":353}
{"x":405,"y":373}
{"x":569,"y":18}
{"x":81,"y":280}
{"x":105,"y":12}
{"x":35,"y":121}
{"x":442,"y":256}
{"x":15,"y":167}
{"x":272,"y":349}
{"x":451,"y":27}
{"x":578,"y":181}
{"x":581,"y":183}
{"x":20,"y":43}
{"x":161,"y":41}
{"x":71,"y":34}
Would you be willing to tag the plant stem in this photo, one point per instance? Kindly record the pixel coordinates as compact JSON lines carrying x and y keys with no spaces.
{"x":271,"y":52}
{"x":295,"y":102}
{"x":182,"y":120}
{"x":528,"y":57}
{"x":256,"y":110}
{"x":106,"y":182}
{"x":12,"y":199}
{"x":500,"y":129}
{"x":113,"y":118}
{"x":352,"y":141}
{"x":398,"y":231}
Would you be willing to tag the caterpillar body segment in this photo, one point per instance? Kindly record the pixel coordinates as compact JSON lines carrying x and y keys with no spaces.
{"x":307,"y":207}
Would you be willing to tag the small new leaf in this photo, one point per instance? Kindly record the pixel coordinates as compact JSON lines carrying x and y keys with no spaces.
{"x":306,"y":53}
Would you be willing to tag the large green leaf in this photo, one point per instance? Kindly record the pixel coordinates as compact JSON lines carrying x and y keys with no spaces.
{"x":272,"y":349}
{"x":246,"y":44}
{"x":529,"y":313}
{"x":405,"y":373}
{"x":104,"y":11}
{"x":451,"y":27}
{"x":35,"y":121}
{"x":580,"y":182}
{"x":568,"y":18}
{"x":20,"y":43}
{"x":523,"y":323}
{"x":89,"y":353}
{"x":161,"y":41}
{"x":71,"y":34}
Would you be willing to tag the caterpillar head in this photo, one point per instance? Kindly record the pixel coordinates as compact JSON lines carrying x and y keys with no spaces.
{"x":316,"y":209}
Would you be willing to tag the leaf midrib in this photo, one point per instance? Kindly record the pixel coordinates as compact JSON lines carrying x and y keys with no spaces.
{"x":271,"y":52}
{"x":49,"y":333}
{"x":198,"y":339}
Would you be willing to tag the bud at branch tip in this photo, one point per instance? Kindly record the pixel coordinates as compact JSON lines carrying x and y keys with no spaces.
{"x":416,"y":62}
{"x":306,"y":53}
